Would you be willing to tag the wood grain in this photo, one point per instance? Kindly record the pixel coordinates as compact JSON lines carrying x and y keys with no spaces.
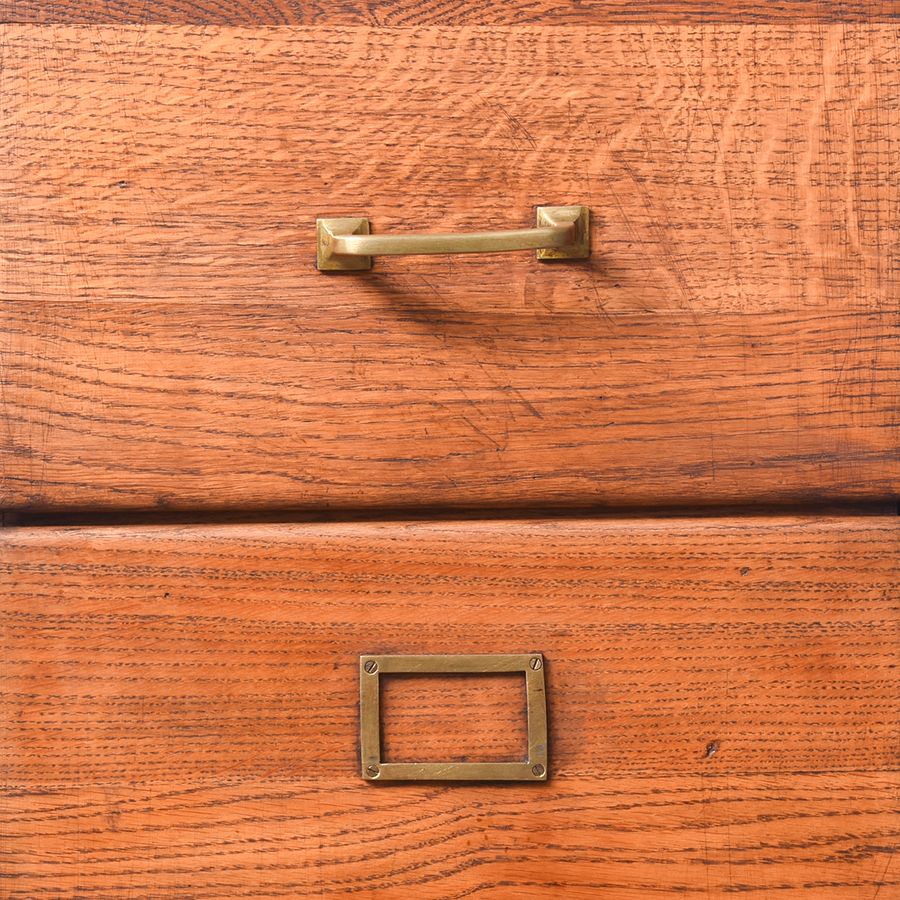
{"x":402,"y":13}
{"x":167,"y":342}
{"x":179,"y":708}
{"x":698,"y":835}
{"x":453,"y":718}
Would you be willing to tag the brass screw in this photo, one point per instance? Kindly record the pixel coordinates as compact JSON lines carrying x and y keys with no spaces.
{"x":535,"y":663}
{"x":537,"y":770}
{"x":371,"y":666}
{"x":371,"y":771}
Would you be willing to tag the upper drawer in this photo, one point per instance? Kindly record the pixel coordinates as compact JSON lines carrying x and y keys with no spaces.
{"x":167,"y":340}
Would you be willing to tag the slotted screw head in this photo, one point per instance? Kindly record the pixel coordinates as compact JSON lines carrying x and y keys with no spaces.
{"x":536,"y":662}
{"x":371,"y":666}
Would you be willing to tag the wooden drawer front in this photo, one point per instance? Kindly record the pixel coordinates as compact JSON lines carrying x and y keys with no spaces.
{"x":467,"y":12}
{"x":180,"y":708}
{"x":167,"y":341}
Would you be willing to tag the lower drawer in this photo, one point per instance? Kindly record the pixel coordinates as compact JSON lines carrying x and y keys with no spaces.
{"x":180,"y":708}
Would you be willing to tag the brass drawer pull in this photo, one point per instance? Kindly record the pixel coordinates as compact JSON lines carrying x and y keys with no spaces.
{"x":374,"y":768}
{"x":562,"y":232}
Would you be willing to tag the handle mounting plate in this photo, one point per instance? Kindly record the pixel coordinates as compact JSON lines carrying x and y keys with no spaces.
{"x":580,"y":248}
{"x":326,"y":229}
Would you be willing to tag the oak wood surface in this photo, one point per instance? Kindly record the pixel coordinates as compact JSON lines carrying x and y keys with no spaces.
{"x":785,"y":835}
{"x":432,"y":12}
{"x":166,"y":340}
{"x":179,"y":708}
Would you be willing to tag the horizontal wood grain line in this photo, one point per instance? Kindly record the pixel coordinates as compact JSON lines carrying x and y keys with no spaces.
{"x":401,"y":13}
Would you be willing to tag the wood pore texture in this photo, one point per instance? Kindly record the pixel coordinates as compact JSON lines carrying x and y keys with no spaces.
{"x":180,"y":710}
{"x":166,"y":341}
{"x":402,"y":13}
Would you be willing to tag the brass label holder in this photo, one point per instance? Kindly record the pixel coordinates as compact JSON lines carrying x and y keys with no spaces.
{"x":374,"y":768}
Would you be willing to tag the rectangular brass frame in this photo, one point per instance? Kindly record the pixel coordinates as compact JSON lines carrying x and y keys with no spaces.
{"x":375,"y":769}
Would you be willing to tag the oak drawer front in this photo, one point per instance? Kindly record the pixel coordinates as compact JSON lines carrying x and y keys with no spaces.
{"x":167,"y":341}
{"x":180,"y":708}
{"x":391,"y":13}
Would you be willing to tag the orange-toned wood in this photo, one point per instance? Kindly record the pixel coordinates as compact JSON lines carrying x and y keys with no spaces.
{"x":707,"y":835}
{"x":429,"y":12}
{"x":167,"y":342}
{"x":179,"y":708}
{"x":441,"y":718}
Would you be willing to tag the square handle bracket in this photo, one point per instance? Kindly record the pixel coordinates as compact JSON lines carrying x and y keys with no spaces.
{"x":531,"y":665}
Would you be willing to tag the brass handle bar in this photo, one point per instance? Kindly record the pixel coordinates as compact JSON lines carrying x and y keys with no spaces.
{"x":346,"y":244}
{"x":472,"y":242}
